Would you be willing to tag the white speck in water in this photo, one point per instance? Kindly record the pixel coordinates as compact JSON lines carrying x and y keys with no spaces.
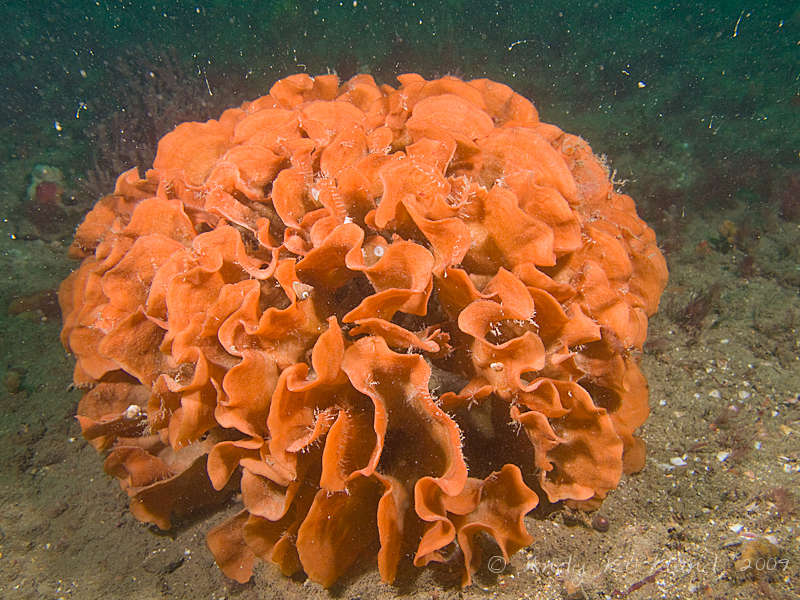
{"x":378,"y":251}
{"x":496,"y":366}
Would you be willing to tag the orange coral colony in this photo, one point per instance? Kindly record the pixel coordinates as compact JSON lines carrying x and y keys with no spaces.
{"x":391,"y":318}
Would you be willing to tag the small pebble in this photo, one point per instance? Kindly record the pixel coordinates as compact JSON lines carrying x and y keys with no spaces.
{"x":744,"y":394}
{"x":677,"y":461}
{"x":715,"y":394}
{"x":12,"y":381}
{"x":600,"y":523}
{"x":723,"y":456}
{"x":573,"y":591}
{"x":755,"y":551}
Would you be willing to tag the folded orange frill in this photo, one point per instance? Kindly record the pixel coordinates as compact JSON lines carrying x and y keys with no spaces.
{"x":392,"y":318}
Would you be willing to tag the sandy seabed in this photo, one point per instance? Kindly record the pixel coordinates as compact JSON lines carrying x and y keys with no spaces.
{"x":710,"y":516}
